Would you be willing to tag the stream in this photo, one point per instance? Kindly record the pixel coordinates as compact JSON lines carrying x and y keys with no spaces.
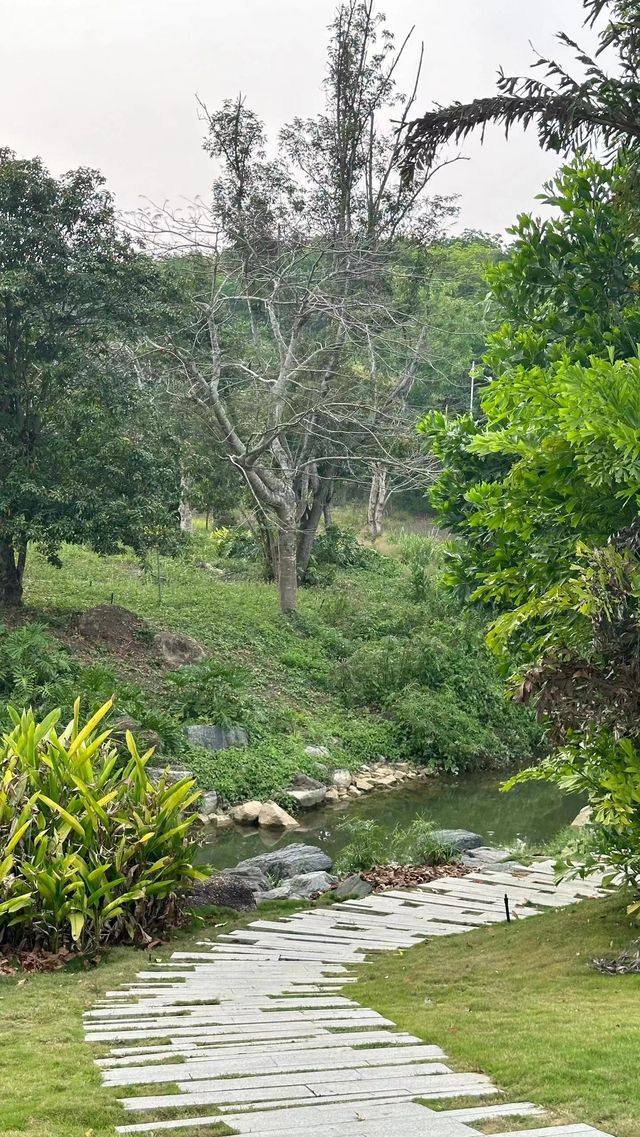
{"x":535,"y":811}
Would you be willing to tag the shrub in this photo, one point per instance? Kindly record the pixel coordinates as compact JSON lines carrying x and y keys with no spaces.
{"x":370,"y":844}
{"x":32,"y":665}
{"x":213,"y":691}
{"x":235,"y":544}
{"x":419,"y":549}
{"x":92,"y":853}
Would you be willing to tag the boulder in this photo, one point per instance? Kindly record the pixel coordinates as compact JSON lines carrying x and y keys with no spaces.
{"x":221,"y":820}
{"x":461,"y":839}
{"x":292,"y":860}
{"x":272,"y":816}
{"x":222,"y":891}
{"x":363,"y":784}
{"x":251,"y":875}
{"x":304,"y":782}
{"x":342,"y":779}
{"x":583,"y":818}
{"x":308,"y":799}
{"x":211,"y":736}
{"x":178,"y":650}
{"x":487,"y":855}
{"x":352,"y":888}
{"x":299,"y":887}
{"x":208,"y":803}
{"x":332,"y":795}
{"x":246,"y":813}
{"x":170,"y":774}
{"x":317,"y":751}
{"x":353,"y":791}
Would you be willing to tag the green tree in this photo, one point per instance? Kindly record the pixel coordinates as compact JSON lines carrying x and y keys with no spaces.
{"x":82,"y":452}
{"x":545,"y":490}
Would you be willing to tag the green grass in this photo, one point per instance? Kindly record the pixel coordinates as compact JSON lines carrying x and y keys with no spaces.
{"x":330,"y":675}
{"x":521,"y":1004}
{"x":49,"y":1086}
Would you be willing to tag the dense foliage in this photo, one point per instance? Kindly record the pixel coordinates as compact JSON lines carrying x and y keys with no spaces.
{"x":86,"y":457}
{"x":544,"y":489}
{"x":92,"y":852}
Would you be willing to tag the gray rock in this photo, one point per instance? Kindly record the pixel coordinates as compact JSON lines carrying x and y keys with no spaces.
{"x":461,"y":839}
{"x":178,"y":650}
{"x":211,"y":736}
{"x":252,"y":876}
{"x":316,"y":751}
{"x":208,"y":803}
{"x":352,"y":887}
{"x":222,"y":891}
{"x":308,"y":799}
{"x":288,"y":862}
{"x":342,"y":779}
{"x":299,"y":887}
{"x":486,"y":855}
{"x":171,"y":775}
{"x":304,"y":782}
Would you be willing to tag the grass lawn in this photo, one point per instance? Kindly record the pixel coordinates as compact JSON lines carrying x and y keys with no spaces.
{"x":49,"y":1086}
{"x":521,"y":1004}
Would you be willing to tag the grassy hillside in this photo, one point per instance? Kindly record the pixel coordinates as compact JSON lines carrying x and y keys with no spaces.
{"x":378,"y":660}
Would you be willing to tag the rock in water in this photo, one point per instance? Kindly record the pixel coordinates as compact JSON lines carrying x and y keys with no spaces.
{"x":272,"y":816}
{"x":178,"y":650}
{"x":352,"y":888}
{"x":208,"y":803}
{"x":308,"y":799}
{"x":299,"y":887}
{"x":211,"y":736}
{"x":224,"y":891}
{"x":292,"y":860}
{"x":461,"y":839}
{"x":247,"y":813}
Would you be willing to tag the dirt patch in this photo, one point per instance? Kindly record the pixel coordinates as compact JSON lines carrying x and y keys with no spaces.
{"x":112,"y":625}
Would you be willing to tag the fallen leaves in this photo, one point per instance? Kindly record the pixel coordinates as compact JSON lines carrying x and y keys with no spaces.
{"x":383,"y":877}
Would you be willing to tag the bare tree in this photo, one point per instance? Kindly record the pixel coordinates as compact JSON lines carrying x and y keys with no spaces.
{"x":281,"y":349}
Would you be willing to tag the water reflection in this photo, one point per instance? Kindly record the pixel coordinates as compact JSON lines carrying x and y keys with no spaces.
{"x":535,"y":811}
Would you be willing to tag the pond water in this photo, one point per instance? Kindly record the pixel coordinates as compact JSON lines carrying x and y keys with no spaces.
{"x":535,"y":811}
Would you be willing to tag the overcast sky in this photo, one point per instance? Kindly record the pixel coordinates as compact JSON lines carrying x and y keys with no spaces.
{"x":113,"y":84}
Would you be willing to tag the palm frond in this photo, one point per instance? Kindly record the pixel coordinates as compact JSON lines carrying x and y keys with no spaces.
{"x":568,"y":113}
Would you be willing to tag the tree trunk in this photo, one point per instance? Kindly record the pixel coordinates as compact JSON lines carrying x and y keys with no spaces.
{"x":311,"y":520}
{"x":377,"y":500}
{"x":287,"y":565}
{"x":11,"y":574}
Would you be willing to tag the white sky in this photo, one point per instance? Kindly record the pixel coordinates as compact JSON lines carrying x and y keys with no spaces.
{"x":112,"y":84}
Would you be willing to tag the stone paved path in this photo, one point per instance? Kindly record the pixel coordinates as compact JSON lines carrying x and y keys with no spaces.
{"x":255,"y":1029}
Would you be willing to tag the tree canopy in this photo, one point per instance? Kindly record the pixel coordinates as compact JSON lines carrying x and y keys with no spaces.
{"x":81,"y":451}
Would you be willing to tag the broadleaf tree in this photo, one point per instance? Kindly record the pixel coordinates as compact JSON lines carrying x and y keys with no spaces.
{"x":82,"y":459}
